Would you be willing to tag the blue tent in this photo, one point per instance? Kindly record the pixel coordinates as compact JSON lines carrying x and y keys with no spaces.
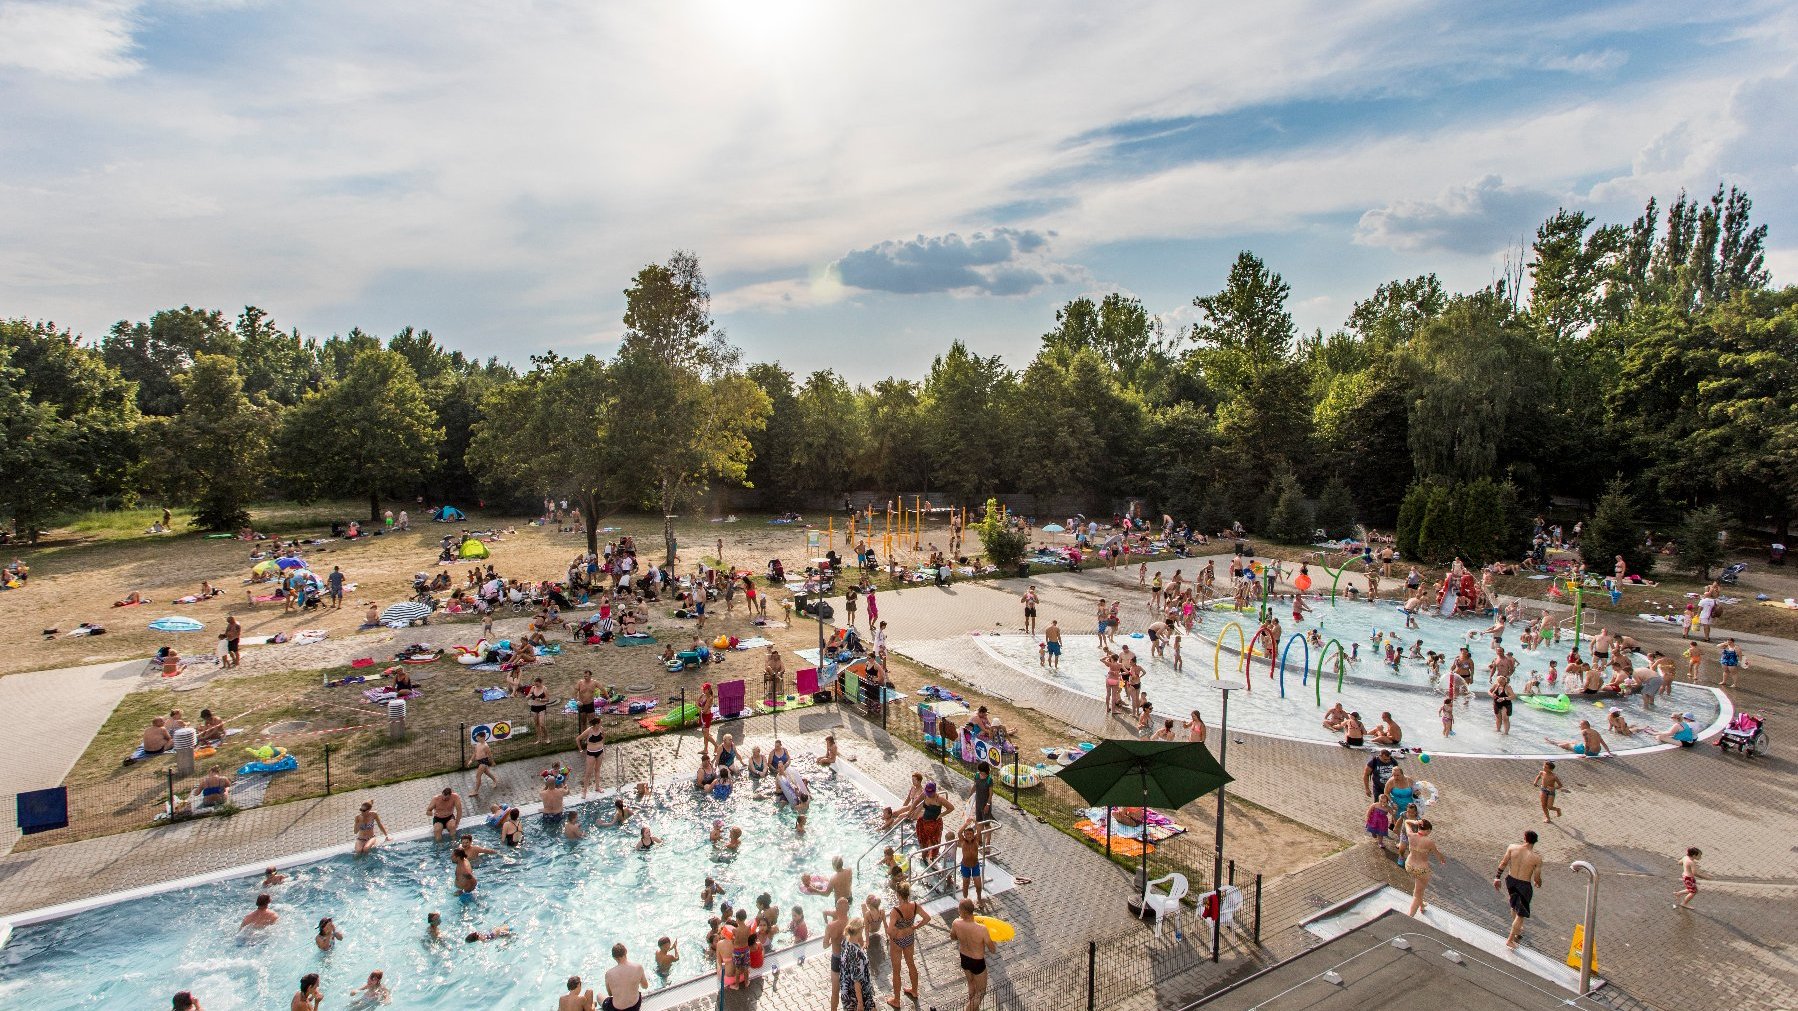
{"x":448,"y":514}
{"x":290,"y":563}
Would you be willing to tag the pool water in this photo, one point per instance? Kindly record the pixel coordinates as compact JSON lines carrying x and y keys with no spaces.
{"x":1368,"y":686}
{"x":566,"y":901}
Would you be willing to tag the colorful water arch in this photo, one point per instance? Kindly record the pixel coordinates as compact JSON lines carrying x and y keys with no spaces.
{"x":1336,"y":575}
{"x":1298,"y":637}
{"x":1217,"y":652}
{"x":1341,"y":662}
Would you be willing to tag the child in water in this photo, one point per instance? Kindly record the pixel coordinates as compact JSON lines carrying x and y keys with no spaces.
{"x":1447,"y":712}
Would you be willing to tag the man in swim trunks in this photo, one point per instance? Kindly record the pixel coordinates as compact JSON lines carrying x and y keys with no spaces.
{"x":1589,"y":744}
{"x":233,"y":634}
{"x":1030,"y":601}
{"x":156,"y":737}
{"x":1519,"y":875}
{"x":262,"y":916}
{"x":585,"y":691}
{"x":552,"y":796}
{"x":974,"y":944}
{"x":1052,"y":641}
{"x":575,"y":999}
{"x":625,"y":983}
{"x":445,"y":810}
{"x":968,"y":840}
{"x":1387,"y":732}
{"x":835,"y":922}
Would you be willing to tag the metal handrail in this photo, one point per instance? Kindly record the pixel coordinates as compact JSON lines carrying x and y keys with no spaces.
{"x":879,"y":842}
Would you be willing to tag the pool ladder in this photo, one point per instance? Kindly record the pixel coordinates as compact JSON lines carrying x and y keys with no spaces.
{"x":931,"y":878}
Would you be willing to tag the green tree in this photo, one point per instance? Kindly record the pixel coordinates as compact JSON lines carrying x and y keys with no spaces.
{"x":896,"y":457}
{"x":215,"y":456}
{"x":961,"y":413}
{"x":832,"y":435}
{"x":1335,"y":508}
{"x":277,"y":366}
{"x":668,"y":313}
{"x":39,"y":454}
{"x":1699,"y":545}
{"x":690,"y":417}
{"x":555,"y":430}
{"x":684,"y":431}
{"x":774,"y":464}
{"x":1474,"y":370}
{"x":1180,"y":465}
{"x":371,"y":433}
{"x":1004,"y":546}
{"x":1616,"y":528}
{"x":1245,"y":345}
{"x":1132,"y":344}
{"x":153,"y":354}
{"x":74,"y":381}
{"x":1291,"y":520}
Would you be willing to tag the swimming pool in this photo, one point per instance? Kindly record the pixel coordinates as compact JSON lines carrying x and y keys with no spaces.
{"x":567,"y":902}
{"x":1368,"y":686}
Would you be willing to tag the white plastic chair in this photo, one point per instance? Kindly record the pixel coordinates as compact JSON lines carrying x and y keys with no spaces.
{"x":1166,"y":904}
{"x":1226,"y":909}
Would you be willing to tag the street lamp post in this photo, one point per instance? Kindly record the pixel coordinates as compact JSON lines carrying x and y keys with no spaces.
{"x":1217,"y":869}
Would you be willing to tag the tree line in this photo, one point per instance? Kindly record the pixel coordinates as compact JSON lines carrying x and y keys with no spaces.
{"x":1647,"y":366}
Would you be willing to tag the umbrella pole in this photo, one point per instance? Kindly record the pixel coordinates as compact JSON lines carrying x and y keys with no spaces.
{"x":1144,"y":770}
{"x":1217,"y":867}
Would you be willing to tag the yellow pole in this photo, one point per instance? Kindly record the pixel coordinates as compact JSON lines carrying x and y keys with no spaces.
{"x":917,"y":522}
{"x":831,"y":528}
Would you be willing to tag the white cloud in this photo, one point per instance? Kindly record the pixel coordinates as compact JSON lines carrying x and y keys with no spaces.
{"x":510,"y":166}
{"x":1481,"y":217}
{"x":73,"y":40}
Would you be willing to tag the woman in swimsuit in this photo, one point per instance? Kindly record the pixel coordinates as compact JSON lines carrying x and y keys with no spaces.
{"x":758,"y":763}
{"x":592,"y":743}
{"x":366,"y":823}
{"x":1503,"y":699}
{"x":904,"y":921}
{"x":778,"y":759}
{"x":538,"y":697}
{"x":932,"y":806}
{"x":727,"y":753}
{"x":511,"y":830}
{"x":1730,"y":658}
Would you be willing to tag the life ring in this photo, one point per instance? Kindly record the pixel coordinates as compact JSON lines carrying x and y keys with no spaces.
{"x":1025,"y":777}
{"x":1425,"y":792}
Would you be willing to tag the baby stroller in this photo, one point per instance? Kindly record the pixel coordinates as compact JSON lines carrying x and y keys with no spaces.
{"x":1747,"y":733}
{"x":1730,"y":574}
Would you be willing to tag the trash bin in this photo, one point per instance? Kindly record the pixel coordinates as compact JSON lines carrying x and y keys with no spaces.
{"x":1776,"y":554}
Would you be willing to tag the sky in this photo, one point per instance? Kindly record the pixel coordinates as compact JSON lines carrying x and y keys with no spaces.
{"x":862,"y":183}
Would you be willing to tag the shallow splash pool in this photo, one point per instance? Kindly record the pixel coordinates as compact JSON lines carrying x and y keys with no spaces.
{"x":567,"y":902}
{"x":1368,"y":686}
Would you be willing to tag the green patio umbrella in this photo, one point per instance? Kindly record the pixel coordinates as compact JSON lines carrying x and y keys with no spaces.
{"x":1127,"y":773}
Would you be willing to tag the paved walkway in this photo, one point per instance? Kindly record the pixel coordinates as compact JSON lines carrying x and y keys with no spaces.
{"x":55,"y":714}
